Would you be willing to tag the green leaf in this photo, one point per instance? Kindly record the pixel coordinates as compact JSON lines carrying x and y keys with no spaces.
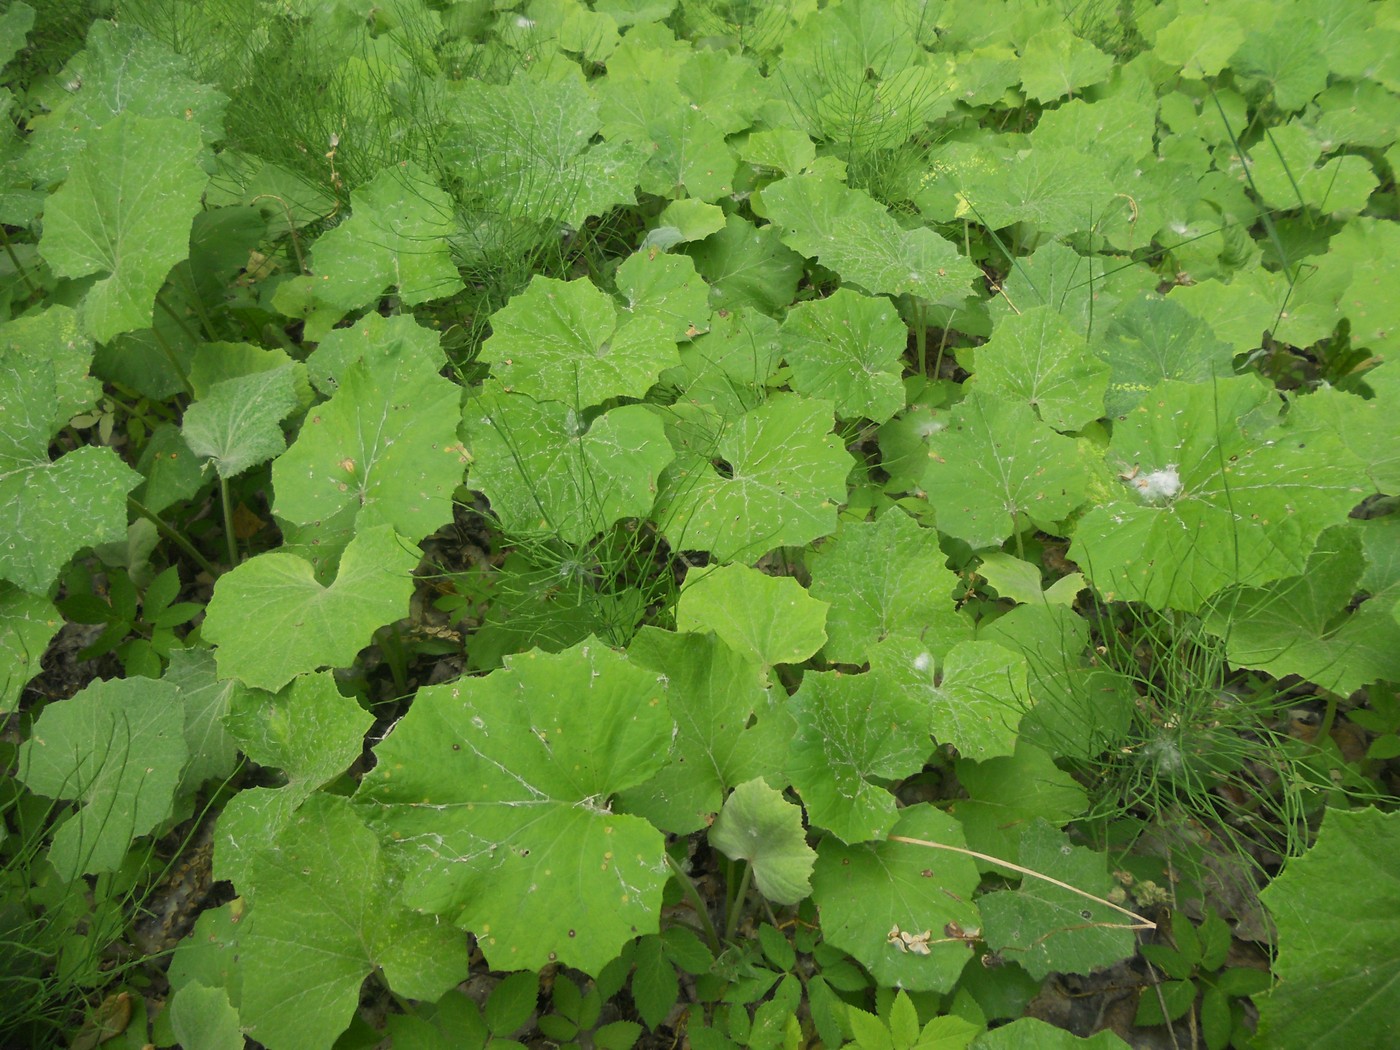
{"x":28,"y":623}
{"x":494,"y":792}
{"x":125,"y":213}
{"x":874,"y":894}
{"x":1035,"y":357}
{"x":309,"y":732}
{"x":1020,"y":581}
{"x":1006,"y":795}
{"x":529,"y":145}
{"x":203,"y":1017}
{"x":847,"y":231}
{"x":759,"y":826}
{"x":396,"y":236}
{"x":713,"y":693}
{"x":37,"y":343}
{"x":727,"y":368}
{"x":748,"y":266}
{"x":1059,"y":191}
{"x":771,"y":618}
{"x":655,"y":987}
{"x":123,"y":69}
{"x":205,"y":700}
{"x":1047,"y":928}
{"x":566,"y":341}
{"x":1029,"y":1033}
{"x":1338,"y":927}
{"x":272,"y":621}
{"x":1152,"y":339}
{"x":847,"y":347}
{"x":973,"y":697}
{"x":325,"y":914}
{"x":853,"y":731}
{"x":118,"y":747}
{"x":1200,"y":43}
{"x":512,"y":1003}
{"x":784,"y":473}
{"x":995,"y":462}
{"x":382,"y":451}
{"x":49,"y":512}
{"x":237,"y":424}
{"x":881,"y":578}
{"x":1211,"y":495}
{"x":15,"y":25}
{"x":1304,"y":625}
{"x":1056,"y":63}
{"x":666,"y":288}
{"x":547,"y":471}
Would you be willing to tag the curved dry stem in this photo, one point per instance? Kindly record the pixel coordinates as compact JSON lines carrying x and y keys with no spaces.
{"x":1140,"y":922}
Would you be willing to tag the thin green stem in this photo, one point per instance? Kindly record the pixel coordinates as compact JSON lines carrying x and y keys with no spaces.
{"x":173,"y":536}
{"x":736,"y":906}
{"x":702,"y":913}
{"x":229,"y":538}
{"x":169,"y":352}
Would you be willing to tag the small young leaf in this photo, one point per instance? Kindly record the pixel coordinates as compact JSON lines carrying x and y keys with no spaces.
{"x":237,"y":425}
{"x":758,"y":825}
{"x":904,"y":1021}
{"x":654,"y":983}
{"x":512,"y":1002}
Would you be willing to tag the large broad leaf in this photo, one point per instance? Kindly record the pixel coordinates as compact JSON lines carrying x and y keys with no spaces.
{"x":272,"y":621}
{"x":748,"y":266}
{"x":529,"y":145}
{"x":494,"y":792}
{"x":383,"y":450}
{"x":237,"y":425}
{"x":882,"y":578}
{"x":52,"y":337}
{"x":117,"y":747}
{"x":847,"y":348}
{"x":771,"y":618}
{"x":1337,"y":909}
{"x":973,"y":697}
{"x":854,"y":731}
{"x":1304,"y":625}
{"x":1030,"y":1033}
{"x":667,"y":288}
{"x":713,"y":694}
{"x":566,"y":341}
{"x":1211,"y":496}
{"x":124,"y":213}
{"x":325,"y":914}
{"x":397,"y":236}
{"x":1152,"y":339}
{"x":760,"y":826}
{"x":892,"y":904}
{"x":994,"y":464}
{"x":727,"y":368}
{"x":51,"y":510}
{"x":1005,"y":795}
{"x":1061,"y":191}
{"x":1048,"y":928}
{"x":847,"y":231}
{"x":771,"y":478}
{"x":27,"y":623}
{"x":123,"y":69}
{"x":547,"y":471}
{"x":309,"y":732}
{"x":1037,"y":358}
